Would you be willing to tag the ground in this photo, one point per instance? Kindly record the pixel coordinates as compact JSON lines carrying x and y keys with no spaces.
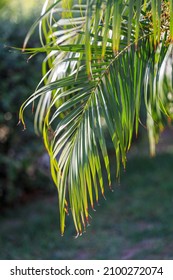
{"x":134,"y":222}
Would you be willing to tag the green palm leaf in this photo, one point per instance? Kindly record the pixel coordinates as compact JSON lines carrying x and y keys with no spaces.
{"x":102,"y":59}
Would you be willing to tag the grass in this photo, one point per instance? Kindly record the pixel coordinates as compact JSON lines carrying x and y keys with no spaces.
{"x":135,"y":222}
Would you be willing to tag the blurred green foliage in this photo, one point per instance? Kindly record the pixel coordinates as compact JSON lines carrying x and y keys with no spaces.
{"x":3,"y":3}
{"x":19,"y":151}
{"x":14,"y":10}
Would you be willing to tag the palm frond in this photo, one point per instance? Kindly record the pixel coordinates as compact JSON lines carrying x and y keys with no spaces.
{"x":102,"y":57}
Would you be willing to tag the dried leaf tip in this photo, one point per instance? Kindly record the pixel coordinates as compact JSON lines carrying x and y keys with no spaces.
{"x":24,"y":127}
{"x":79,"y":233}
{"x":103,"y":194}
{"x":33,"y":107}
{"x":19,"y":122}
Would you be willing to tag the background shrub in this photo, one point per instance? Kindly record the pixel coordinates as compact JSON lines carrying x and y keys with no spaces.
{"x":21,"y":154}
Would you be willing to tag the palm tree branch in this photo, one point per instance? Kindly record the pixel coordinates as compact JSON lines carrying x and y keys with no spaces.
{"x":98,"y":54}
